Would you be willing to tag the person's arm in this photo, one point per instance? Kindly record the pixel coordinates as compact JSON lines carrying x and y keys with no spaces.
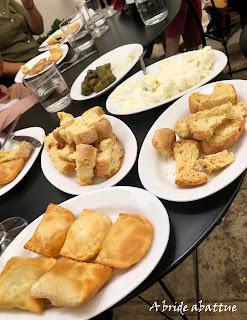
{"x":10,"y":69}
{"x":35,"y":20}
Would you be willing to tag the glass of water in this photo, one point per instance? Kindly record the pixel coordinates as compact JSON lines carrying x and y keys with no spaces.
{"x":50,"y":89}
{"x":76,"y":31}
{"x":95,"y":18}
{"x":152,"y":11}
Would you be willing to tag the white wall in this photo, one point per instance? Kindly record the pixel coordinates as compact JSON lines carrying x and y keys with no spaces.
{"x":52,"y":9}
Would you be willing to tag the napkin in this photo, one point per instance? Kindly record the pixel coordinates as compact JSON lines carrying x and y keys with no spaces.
{"x":9,"y":114}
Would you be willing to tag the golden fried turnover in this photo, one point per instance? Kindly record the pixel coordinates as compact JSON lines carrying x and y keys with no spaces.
{"x":16,"y":279}
{"x":54,"y":57}
{"x":24,"y":150}
{"x":127,"y":242}
{"x":9,"y":170}
{"x":86,"y":235}
{"x":71,"y":283}
{"x":51,"y":232}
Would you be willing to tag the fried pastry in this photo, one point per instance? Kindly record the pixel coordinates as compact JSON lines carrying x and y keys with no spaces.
{"x":51,"y":232}
{"x":71,"y":283}
{"x":16,"y":279}
{"x":24,"y":150}
{"x":9,"y":170}
{"x":128,"y":241}
{"x":86,"y":235}
{"x":54,"y":57}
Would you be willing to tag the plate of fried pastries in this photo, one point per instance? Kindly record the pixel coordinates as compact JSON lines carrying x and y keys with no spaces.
{"x":16,"y":158}
{"x":88,"y":153}
{"x":83,"y":256}
{"x":55,"y":54}
{"x":198,"y":145}
{"x":56,"y":37}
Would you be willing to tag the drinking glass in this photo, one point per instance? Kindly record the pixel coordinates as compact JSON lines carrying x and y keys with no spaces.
{"x":109,"y":9}
{"x":50,"y":89}
{"x":76,"y":31}
{"x":152,"y":11}
{"x":95,"y":17}
{"x":10,"y":227}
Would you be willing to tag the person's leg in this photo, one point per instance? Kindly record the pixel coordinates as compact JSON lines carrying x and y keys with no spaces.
{"x":174,"y":31}
{"x":191,"y":34}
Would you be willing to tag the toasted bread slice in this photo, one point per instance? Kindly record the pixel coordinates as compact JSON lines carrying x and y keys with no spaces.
{"x":9,"y":170}
{"x":214,"y":162}
{"x":201,"y":125}
{"x":66,"y":119}
{"x":224,"y":136}
{"x":109,"y":157}
{"x":65,"y":167}
{"x":95,"y":118}
{"x":222,"y":93}
{"x":163,"y":141}
{"x":50,"y":141}
{"x":186,"y":153}
{"x":85,"y":163}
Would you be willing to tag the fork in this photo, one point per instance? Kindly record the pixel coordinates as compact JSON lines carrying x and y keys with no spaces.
{"x":11,"y":129}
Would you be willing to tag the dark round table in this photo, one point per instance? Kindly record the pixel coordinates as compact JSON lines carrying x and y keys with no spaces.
{"x":190,"y":222}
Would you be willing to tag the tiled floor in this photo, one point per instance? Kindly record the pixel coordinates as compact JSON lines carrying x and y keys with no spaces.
{"x":222,"y":256}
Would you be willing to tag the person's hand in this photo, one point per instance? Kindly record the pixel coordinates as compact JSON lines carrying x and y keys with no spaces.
{"x":6,"y":97}
{"x":27,"y":4}
{"x":19,"y":91}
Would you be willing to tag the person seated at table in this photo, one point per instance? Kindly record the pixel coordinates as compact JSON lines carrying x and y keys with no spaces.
{"x":18,"y":24}
{"x":184,"y":24}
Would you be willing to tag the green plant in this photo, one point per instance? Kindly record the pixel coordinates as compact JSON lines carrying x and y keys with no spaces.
{"x":54,"y":27}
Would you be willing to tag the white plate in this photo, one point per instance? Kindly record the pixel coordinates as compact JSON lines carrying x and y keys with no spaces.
{"x":112,"y":201}
{"x":34,"y":132}
{"x":160,"y":176}
{"x":69,"y":184}
{"x":116,"y":57}
{"x":114,"y":107}
{"x":45,"y":43}
{"x":19,"y":76}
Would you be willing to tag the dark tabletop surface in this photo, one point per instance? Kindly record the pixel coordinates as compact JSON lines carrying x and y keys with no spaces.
{"x":190,"y":222}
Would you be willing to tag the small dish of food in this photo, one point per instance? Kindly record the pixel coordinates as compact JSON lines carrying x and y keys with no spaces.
{"x":18,"y":157}
{"x":56,"y":54}
{"x":88,"y":153}
{"x":106,"y":71}
{"x":56,"y":38}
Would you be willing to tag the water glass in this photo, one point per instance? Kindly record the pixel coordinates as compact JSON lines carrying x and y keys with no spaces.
{"x":152,"y":11}
{"x":76,"y":31}
{"x":50,"y":88}
{"x":95,"y":17}
{"x":9,"y":229}
{"x":109,"y":9}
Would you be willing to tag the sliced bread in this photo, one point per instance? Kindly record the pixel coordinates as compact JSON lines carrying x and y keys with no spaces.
{"x":85,"y":163}
{"x":222,"y":93}
{"x":214,"y":162}
{"x":109,"y":157}
{"x":186,"y":153}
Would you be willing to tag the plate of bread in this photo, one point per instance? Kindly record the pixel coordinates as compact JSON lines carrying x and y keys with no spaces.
{"x":16,"y":158}
{"x":88,"y":153}
{"x":165,"y":81}
{"x":55,"y":54}
{"x":198,"y":145}
{"x":83,"y":256}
